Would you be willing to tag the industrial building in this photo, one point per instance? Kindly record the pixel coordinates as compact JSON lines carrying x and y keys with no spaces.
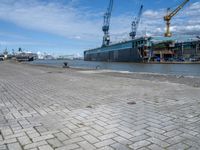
{"x":182,"y":48}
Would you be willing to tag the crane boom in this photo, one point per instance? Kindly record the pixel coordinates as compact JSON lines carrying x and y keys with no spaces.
{"x":135,"y":23}
{"x":106,"y":24}
{"x":169,"y":16}
{"x":173,"y":13}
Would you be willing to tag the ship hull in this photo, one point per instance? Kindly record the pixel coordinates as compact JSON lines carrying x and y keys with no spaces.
{"x":125,"y":55}
{"x":129,"y":51}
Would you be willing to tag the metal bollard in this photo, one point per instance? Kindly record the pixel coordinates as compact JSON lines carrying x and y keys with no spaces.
{"x":65,"y":65}
{"x":98,"y":67}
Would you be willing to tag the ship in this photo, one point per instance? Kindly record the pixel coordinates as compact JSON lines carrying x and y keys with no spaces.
{"x":148,"y":49}
{"x":136,"y":50}
{"x":23,"y":56}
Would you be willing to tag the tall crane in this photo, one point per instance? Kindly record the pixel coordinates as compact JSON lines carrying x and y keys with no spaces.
{"x":106,"y":24}
{"x":135,"y":23}
{"x":169,"y":16}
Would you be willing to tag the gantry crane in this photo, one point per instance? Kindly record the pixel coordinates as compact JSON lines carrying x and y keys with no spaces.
{"x":169,"y":16}
{"x":135,"y":23}
{"x":106,"y":24}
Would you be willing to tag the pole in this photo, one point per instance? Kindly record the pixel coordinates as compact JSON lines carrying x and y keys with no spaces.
{"x":182,"y":49}
{"x":196,"y":48}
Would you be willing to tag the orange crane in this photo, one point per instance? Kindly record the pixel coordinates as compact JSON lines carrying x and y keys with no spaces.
{"x":169,"y":16}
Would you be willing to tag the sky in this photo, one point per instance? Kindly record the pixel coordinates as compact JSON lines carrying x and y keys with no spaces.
{"x":62,"y":27}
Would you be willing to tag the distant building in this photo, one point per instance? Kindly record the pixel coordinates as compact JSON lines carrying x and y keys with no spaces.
{"x":66,"y":57}
{"x":71,"y":57}
{"x":48,"y":57}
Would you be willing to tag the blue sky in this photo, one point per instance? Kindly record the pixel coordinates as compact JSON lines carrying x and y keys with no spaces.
{"x":71,"y":26}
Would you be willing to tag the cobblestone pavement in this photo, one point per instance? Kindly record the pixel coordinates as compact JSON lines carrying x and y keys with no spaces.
{"x":50,"y":108}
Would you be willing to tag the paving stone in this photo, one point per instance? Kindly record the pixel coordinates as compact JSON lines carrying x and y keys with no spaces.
{"x":24,"y":140}
{"x":124,"y":134}
{"x":78,"y":134}
{"x":139,"y":138}
{"x":161,"y":143}
{"x":107,"y":136}
{"x":178,"y":146}
{"x":111,"y":130}
{"x":87,"y":146}
{"x":139,"y":132}
{"x":45,"y":108}
{"x":74,"y":140}
{"x":122,"y":140}
{"x":45,"y":147}
{"x":3,"y":147}
{"x":155,"y":147}
{"x":68,"y":147}
{"x":156,"y":135}
{"x":14,"y":146}
{"x":119,"y":146}
{"x":61,"y":136}
{"x":106,"y":148}
{"x":94,"y":132}
{"x":175,"y":140}
{"x":42,"y":138}
{"x":140,"y":144}
{"x":14,"y":136}
{"x":157,"y":130}
{"x":9,"y":141}
{"x":104,"y":143}
{"x":34,"y":145}
{"x":55,"y":143}
{"x":173,"y":133}
{"x":6,"y":131}
{"x":91,"y":139}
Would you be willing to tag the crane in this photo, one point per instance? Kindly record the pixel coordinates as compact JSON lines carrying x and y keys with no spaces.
{"x":106,"y":24}
{"x":135,"y":23}
{"x":169,"y":16}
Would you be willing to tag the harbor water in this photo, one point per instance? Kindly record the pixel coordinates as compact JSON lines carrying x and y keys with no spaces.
{"x":172,"y":69}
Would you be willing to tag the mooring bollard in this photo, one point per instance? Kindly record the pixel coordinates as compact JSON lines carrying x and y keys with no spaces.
{"x":65,"y":65}
{"x":97,"y":67}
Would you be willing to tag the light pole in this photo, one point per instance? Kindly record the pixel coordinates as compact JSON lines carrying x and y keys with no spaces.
{"x":0,"y":47}
{"x":198,"y":43}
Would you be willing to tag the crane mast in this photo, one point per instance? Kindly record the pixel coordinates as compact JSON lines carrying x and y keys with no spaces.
{"x":169,"y":16}
{"x":106,"y":24}
{"x":135,"y":24}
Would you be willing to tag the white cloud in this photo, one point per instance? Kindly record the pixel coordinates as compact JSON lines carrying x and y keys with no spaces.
{"x":50,"y":17}
{"x":81,"y":23}
{"x":185,"y":22}
{"x":4,"y":43}
{"x":152,"y":14}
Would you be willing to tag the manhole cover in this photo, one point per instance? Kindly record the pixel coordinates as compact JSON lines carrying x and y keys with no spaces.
{"x":131,"y":103}
{"x":89,"y":106}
